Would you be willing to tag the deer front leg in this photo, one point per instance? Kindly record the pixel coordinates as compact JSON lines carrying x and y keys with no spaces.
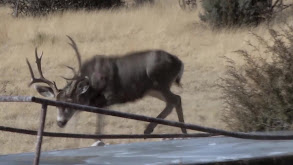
{"x":99,"y":124}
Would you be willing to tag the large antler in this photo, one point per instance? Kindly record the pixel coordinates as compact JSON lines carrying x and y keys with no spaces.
{"x":76,"y":74}
{"x":42,"y":79}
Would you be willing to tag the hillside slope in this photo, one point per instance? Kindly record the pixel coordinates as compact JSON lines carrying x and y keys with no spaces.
{"x":164,"y":26}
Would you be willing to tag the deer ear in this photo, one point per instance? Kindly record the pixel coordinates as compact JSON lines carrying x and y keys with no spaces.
{"x":83,"y":86}
{"x":45,"y":91}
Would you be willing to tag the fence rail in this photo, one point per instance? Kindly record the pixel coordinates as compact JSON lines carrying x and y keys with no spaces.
{"x":46,"y":102}
{"x":104,"y":136}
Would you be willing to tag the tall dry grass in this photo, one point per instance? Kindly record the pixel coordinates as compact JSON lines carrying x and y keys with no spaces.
{"x":164,"y":26}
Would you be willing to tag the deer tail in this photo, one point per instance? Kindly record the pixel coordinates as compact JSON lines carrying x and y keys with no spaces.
{"x":179,"y":76}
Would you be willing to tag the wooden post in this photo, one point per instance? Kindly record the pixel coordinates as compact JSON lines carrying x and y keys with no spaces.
{"x":40,"y":134}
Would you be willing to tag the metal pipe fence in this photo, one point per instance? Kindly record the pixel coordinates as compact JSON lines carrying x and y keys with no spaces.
{"x":104,"y":136}
{"x":46,"y":102}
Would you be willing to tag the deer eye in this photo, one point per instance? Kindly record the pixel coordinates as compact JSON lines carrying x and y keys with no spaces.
{"x":81,"y":84}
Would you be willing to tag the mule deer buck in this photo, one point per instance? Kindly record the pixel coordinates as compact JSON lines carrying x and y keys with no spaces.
{"x":103,"y":81}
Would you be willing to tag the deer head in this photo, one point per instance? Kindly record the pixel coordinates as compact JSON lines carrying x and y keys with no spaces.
{"x":75,"y":91}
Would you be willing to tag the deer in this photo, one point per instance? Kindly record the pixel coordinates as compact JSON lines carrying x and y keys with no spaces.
{"x":103,"y":81}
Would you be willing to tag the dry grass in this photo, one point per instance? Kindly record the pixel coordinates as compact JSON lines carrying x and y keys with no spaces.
{"x":164,"y":26}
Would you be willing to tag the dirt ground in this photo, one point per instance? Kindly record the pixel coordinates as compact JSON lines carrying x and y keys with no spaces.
{"x":163,"y":26}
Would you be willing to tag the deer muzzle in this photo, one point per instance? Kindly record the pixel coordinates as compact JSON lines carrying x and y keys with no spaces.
{"x":61,"y":124}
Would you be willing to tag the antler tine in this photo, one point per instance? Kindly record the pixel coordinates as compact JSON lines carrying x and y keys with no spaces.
{"x":31,"y":72}
{"x":38,"y":61}
{"x":75,"y":76}
{"x":74,"y":46}
{"x":73,"y":70}
{"x":42,"y":79}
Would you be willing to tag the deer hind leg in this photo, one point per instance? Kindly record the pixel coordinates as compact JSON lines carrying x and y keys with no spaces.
{"x":168,"y":109}
{"x":172,"y":101}
{"x":176,"y":101}
{"x":179,"y":111}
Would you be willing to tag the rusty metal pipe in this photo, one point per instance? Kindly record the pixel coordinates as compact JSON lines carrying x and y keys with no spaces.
{"x":40,"y":134}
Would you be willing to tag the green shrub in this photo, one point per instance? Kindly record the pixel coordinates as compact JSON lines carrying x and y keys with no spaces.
{"x":142,"y":2}
{"x":223,"y":13}
{"x":41,"y":7}
{"x":259,"y":94}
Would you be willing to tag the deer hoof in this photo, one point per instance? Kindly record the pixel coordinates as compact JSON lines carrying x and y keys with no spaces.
{"x":98,"y":144}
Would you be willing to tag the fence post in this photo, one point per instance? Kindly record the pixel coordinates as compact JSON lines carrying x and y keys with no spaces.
{"x":40,"y":134}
